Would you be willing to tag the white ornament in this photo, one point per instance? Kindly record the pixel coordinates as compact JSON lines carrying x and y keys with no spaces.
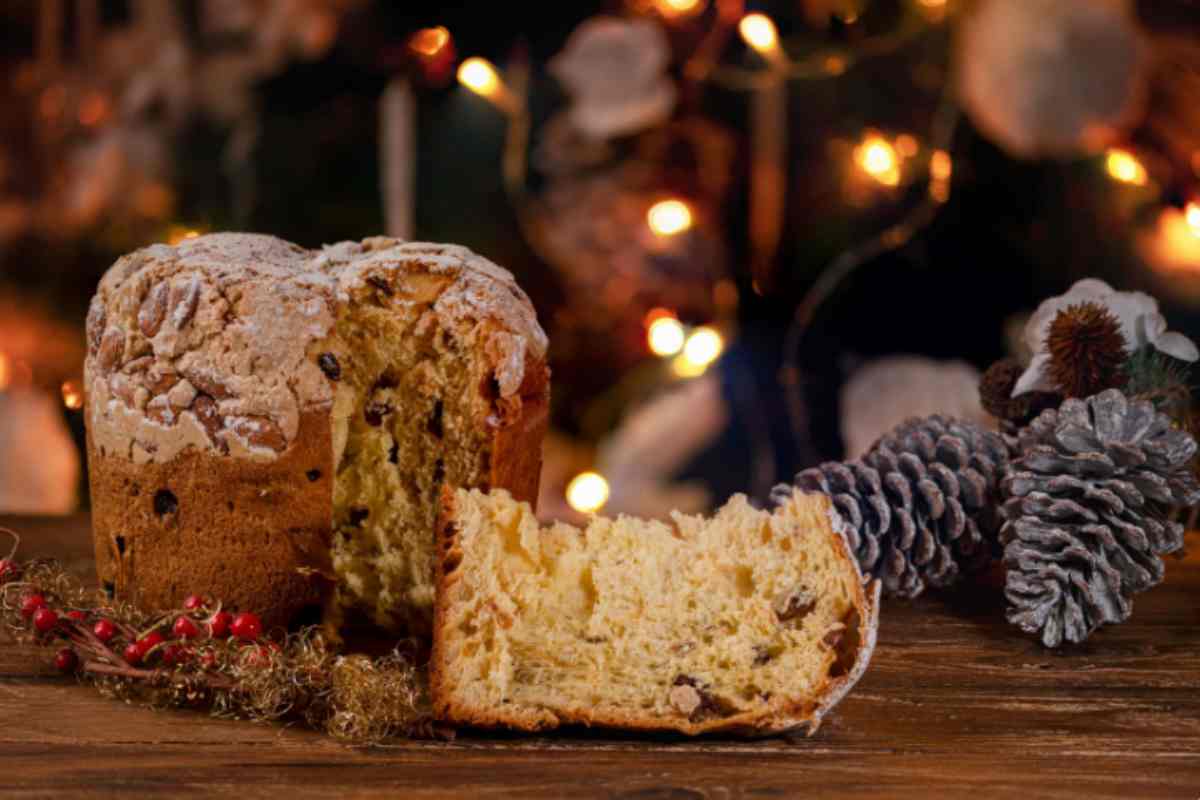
{"x":654,"y":441}
{"x":1051,"y":77}
{"x":1141,"y":325}
{"x":884,"y":393}
{"x":615,"y":72}
{"x":39,"y":464}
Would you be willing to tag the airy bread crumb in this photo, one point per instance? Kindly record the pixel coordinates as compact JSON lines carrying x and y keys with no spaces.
{"x":750,"y":621}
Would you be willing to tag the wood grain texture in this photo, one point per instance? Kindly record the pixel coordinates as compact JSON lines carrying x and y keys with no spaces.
{"x":956,"y":703}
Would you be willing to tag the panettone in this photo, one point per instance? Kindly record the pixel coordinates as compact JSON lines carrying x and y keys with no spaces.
{"x":750,"y":622}
{"x":272,"y":425}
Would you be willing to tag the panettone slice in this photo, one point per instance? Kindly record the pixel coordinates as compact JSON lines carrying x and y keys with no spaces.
{"x":750,"y":622}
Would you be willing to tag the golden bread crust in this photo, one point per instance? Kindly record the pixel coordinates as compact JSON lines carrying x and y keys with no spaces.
{"x":253,"y":534}
{"x":211,"y":386}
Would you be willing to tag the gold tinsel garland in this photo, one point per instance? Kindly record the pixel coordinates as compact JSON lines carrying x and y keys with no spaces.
{"x":298,"y":677}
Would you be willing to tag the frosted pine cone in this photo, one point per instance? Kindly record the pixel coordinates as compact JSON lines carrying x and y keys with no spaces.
{"x":920,"y":503}
{"x":1086,"y":513}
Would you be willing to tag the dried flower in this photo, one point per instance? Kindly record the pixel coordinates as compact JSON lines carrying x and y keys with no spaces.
{"x":1140,"y":322}
{"x":1087,"y":351}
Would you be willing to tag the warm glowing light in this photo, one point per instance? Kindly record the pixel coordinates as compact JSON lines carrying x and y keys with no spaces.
{"x":72,"y":395}
{"x":907,"y":145}
{"x":669,"y":217}
{"x":428,"y":42}
{"x":877,"y":158}
{"x":682,"y":368}
{"x":1173,"y":246}
{"x":759,"y":32}
{"x":1192,"y":215}
{"x":703,"y":347}
{"x":665,"y":336}
{"x":940,"y":165}
{"x":479,"y":76}
{"x":678,"y":8}
{"x":180,"y":233}
{"x":587,"y":492}
{"x":657,"y":313}
{"x":933,"y":10}
{"x":834,"y":64}
{"x":5,"y":372}
{"x":1124,"y":166}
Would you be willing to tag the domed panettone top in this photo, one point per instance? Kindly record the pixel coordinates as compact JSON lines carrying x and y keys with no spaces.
{"x":210,"y":344}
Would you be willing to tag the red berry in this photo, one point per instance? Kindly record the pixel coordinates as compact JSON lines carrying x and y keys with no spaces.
{"x":133,"y":653}
{"x":246,"y":627}
{"x":104,"y":630}
{"x":176,"y":654}
{"x":66,"y":660}
{"x":44,"y":619}
{"x":185,"y":629}
{"x":31,"y":604}
{"x":218,"y":628}
{"x":77,"y":616}
{"x":8,"y":569}
{"x":150,"y":641}
{"x":193,"y":602}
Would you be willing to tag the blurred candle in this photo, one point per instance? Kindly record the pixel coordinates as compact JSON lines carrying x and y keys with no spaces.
{"x":397,"y":141}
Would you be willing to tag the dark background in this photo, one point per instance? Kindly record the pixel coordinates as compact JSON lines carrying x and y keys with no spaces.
{"x":1012,"y":233}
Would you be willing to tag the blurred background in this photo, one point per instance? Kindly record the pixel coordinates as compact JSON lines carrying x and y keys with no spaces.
{"x":758,"y":234}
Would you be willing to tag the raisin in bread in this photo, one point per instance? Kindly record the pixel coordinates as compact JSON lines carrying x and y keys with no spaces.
{"x":272,"y":425}
{"x":750,"y":622}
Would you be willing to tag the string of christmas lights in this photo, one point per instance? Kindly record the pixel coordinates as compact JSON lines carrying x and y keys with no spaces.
{"x":886,"y":163}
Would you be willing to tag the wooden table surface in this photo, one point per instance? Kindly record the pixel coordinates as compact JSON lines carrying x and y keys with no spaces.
{"x":956,"y":703}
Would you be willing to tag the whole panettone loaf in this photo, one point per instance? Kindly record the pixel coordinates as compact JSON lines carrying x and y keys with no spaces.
{"x":272,"y":425}
{"x":750,"y":622}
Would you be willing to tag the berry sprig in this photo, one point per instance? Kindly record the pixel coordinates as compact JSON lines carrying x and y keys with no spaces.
{"x":203,"y":655}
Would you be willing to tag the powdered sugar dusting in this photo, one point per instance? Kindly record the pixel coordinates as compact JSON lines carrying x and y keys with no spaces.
{"x":210,"y":343}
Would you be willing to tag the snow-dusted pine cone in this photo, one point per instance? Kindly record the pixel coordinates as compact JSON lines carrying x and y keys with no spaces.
{"x":920,"y":503}
{"x":1086,"y":513}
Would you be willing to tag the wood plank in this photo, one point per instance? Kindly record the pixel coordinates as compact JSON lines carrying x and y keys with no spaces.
{"x":956,"y":702}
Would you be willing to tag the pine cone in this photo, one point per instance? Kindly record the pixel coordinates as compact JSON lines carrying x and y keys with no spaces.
{"x":1086,"y":513}
{"x":920,"y":503}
